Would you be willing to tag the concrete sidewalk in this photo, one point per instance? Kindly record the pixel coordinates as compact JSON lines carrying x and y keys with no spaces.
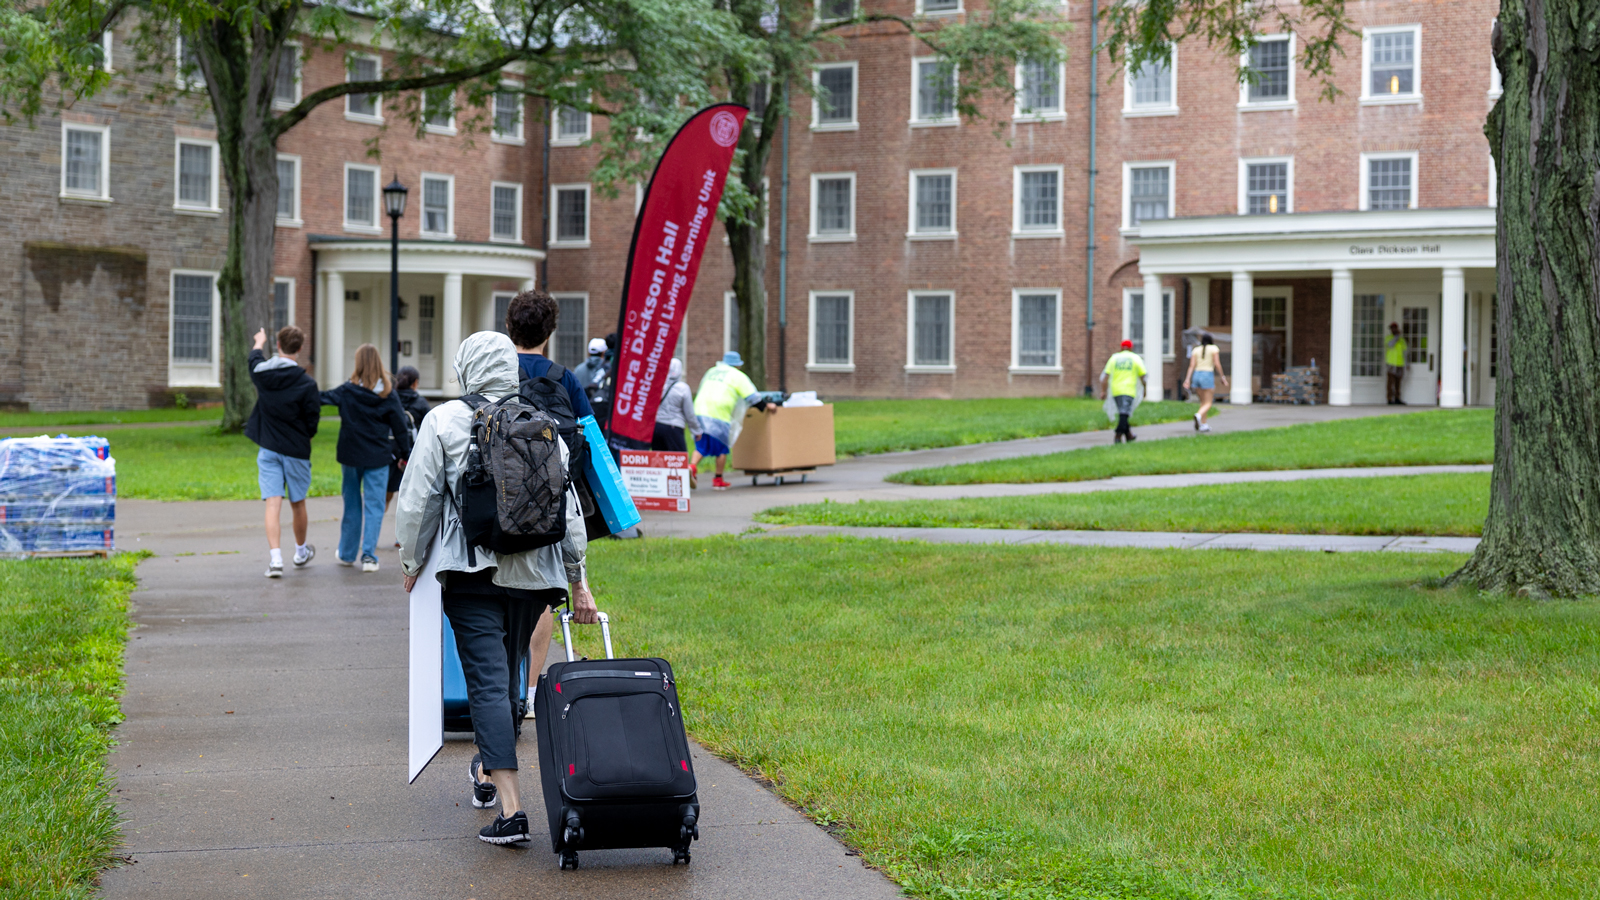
{"x":264,"y":749}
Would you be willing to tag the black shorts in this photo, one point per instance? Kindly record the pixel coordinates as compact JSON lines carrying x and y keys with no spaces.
{"x":669,"y":438}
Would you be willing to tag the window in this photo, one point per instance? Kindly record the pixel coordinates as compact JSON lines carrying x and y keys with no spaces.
{"x":362,"y":68}
{"x":572,"y":126}
{"x":502,"y":302}
{"x":1271,"y":313}
{"x":1146,"y":192}
{"x":85,"y":161}
{"x":1151,"y":89}
{"x":190,"y":76}
{"x":569,"y":346}
{"x":932,"y":331}
{"x":1367,"y":336}
{"x":360,"y":197}
{"x":834,"y":10}
{"x":1388,"y":181}
{"x":197,"y":176}
{"x":834,"y":103}
{"x":1270,"y":73}
{"x":193,"y":311}
{"x":572,"y":214}
{"x":1389,"y":58}
{"x":282,"y":303}
{"x":438,"y":201}
{"x":288,"y":190}
{"x":427,"y":307}
{"x":1037,"y":201}
{"x":1133,"y":319}
{"x":832,"y":347}
{"x":1266,"y":186}
{"x":938,"y":7}
{"x":833,"y":207}
{"x":439,"y":109}
{"x":1414,"y":329}
{"x":1039,"y":89}
{"x":933,"y":203}
{"x":730,"y":321}
{"x":286,"y":76}
{"x":760,"y":94}
{"x":1036,"y":330}
{"x":933,"y":92}
{"x":508,"y":116}
{"x":506,"y":212}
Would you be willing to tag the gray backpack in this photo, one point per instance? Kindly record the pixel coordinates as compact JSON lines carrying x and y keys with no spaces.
{"x":513,"y":492}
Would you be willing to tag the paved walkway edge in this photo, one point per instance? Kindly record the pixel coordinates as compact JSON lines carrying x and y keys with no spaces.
{"x":1327,"y":543}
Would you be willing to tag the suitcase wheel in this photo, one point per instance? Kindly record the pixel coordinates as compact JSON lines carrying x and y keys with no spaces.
{"x":678,"y":856}
{"x":569,"y":860}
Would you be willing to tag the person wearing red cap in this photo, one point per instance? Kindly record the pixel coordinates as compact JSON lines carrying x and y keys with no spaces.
{"x":1126,"y":373}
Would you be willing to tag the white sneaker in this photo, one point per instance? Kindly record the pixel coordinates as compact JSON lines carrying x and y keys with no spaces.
{"x":369,"y":564}
{"x":1205,"y":428}
{"x":310,"y":554}
{"x":275,"y":569}
{"x":1198,"y":425}
{"x":347,"y":563}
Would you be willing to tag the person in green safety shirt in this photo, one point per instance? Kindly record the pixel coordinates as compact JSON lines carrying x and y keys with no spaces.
{"x":725,"y":393}
{"x":1394,"y":358}
{"x":1126,"y":372}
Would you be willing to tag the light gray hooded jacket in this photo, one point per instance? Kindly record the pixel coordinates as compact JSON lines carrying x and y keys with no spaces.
{"x":486,"y":364}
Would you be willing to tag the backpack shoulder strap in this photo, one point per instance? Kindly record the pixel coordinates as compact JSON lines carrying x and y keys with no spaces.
{"x":555,"y":372}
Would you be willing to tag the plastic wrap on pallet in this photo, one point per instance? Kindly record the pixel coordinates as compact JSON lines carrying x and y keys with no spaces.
{"x":57,"y":495}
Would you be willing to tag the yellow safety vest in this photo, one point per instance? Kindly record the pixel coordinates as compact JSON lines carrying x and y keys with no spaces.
{"x":1396,"y":355}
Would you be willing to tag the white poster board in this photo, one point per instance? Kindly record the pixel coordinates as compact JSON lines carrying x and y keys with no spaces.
{"x":427,"y":666}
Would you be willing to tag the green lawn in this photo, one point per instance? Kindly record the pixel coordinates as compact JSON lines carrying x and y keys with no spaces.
{"x":1031,"y":722}
{"x":62,"y":628}
{"x":16,"y":421}
{"x":1435,"y":437}
{"x":1410,"y":504}
{"x":881,"y":426}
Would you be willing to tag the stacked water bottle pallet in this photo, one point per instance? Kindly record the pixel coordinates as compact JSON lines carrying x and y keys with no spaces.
{"x":58,"y":497}
{"x":1299,"y":384}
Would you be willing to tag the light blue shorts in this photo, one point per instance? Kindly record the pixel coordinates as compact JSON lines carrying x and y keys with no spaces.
{"x":1204,"y":381}
{"x":283,"y":476}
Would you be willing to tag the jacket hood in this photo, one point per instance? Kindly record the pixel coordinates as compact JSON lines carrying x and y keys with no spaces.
{"x":364,"y":395}
{"x":487,"y":364}
{"x":278,"y":373}
{"x":675,"y":370}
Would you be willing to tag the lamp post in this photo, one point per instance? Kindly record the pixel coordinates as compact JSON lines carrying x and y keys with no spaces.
{"x":394,"y":203}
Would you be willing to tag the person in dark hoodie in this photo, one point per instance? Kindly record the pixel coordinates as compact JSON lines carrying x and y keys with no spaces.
{"x":369,"y":414}
{"x":288,"y":406}
{"x":416,"y":406}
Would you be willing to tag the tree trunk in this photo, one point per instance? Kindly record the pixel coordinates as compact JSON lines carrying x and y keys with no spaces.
{"x":750,"y":257}
{"x":1542,"y":535}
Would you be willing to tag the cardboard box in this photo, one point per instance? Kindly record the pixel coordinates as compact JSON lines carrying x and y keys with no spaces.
{"x":799,"y":437}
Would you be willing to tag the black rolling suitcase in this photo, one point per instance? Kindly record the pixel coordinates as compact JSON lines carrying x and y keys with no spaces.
{"x":613,"y":756}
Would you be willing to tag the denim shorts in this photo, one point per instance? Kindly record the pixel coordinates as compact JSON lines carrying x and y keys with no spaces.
{"x":1204,"y":381}
{"x":283,"y":476}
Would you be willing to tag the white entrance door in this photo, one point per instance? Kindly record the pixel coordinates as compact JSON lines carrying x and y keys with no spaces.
{"x":1419,"y":325}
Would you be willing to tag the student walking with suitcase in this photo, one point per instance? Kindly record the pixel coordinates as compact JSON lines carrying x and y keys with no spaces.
{"x":369,"y":416}
{"x":493,"y":599}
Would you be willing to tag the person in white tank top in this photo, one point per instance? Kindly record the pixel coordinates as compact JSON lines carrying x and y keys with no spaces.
{"x":1205,"y":367}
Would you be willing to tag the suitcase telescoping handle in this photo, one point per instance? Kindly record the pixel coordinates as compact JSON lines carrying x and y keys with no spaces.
{"x":566,"y":633}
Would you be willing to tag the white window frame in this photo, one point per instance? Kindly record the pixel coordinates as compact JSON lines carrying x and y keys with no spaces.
{"x":1496,"y":88}
{"x":1016,"y":333}
{"x":730,"y":336}
{"x":912,"y":234}
{"x":556,"y":140}
{"x":1017,"y":231}
{"x":183,"y":83}
{"x":450,"y":205}
{"x":1494,"y":183}
{"x":1057,"y":115}
{"x":1245,"y":162}
{"x":817,"y":18}
{"x":1245,"y":102}
{"x":1370,"y":99}
{"x":213,"y":207}
{"x":960,"y":8}
{"x":449,"y":127}
{"x":377,"y":200}
{"x":1366,"y":174}
{"x":186,"y":374}
{"x":911,"y":335}
{"x":376,"y":118}
{"x":1130,"y":111}
{"x":1127,"y":189}
{"x":1134,"y":331}
{"x":107,"y":41}
{"x":855,"y":97}
{"x":516,"y":237}
{"x":296,"y":221}
{"x":105,"y":162}
{"x":522,"y":118}
{"x":555,"y":212}
{"x":916,"y":94}
{"x":292,"y":47}
{"x":811,"y":333}
{"x":290,"y":282}
{"x":813,"y":236}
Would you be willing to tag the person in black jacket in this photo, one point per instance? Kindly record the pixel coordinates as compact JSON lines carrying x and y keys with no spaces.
{"x":368,"y":419}
{"x":416,"y":406}
{"x":288,"y":406}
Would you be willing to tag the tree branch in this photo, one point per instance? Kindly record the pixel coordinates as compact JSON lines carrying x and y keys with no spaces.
{"x":292,"y":116}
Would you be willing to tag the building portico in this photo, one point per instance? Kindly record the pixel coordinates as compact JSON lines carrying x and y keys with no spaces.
{"x":1351,"y":273}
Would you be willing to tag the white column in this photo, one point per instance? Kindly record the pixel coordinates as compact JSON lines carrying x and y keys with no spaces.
{"x":1199,"y":303}
{"x":1452,"y":338}
{"x":527,"y":284}
{"x":1152,"y":335}
{"x":450,"y":338}
{"x":1243,"y":328}
{"x":1341,"y":344}
{"x":330,"y":358}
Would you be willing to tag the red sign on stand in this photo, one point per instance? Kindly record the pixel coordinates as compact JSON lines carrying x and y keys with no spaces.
{"x":657,"y":480}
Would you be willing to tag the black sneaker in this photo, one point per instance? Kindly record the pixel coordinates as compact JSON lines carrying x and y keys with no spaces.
{"x":1129,"y":437}
{"x":506,"y":831}
{"x":483,"y":792}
